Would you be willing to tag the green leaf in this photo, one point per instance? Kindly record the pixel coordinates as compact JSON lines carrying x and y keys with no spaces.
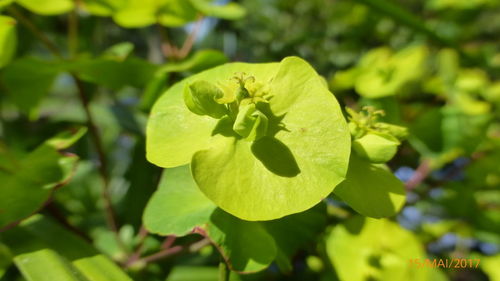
{"x":136,"y":13}
{"x":383,"y":74}
{"x":291,"y":169}
{"x":246,"y":246}
{"x":8,"y":39}
{"x":175,"y":13}
{"x":141,"y":13}
{"x":294,"y":232}
{"x":491,"y":266}
{"x":102,"y":7}
{"x":171,"y":13}
{"x":5,"y":259}
{"x":113,"y":73}
{"x":199,"y":61}
{"x":66,"y":139}
{"x":120,"y":51}
{"x":198,"y":273}
{"x":370,"y":189}
{"x":41,"y":257}
{"x":386,"y":251}
{"x":5,"y":3}
{"x":178,"y":206}
{"x":49,"y":7}
{"x":230,"y":11}
{"x":447,"y":136}
{"x":29,"y":182}
{"x":28,"y":81}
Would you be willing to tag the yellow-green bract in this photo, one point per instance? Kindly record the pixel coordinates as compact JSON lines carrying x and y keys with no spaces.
{"x":8,"y":39}
{"x":368,"y":249}
{"x":299,"y":161}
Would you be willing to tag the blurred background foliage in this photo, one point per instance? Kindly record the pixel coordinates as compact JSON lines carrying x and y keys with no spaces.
{"x":432,"y":66}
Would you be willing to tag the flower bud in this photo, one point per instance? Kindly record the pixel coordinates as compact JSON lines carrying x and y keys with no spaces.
{"x":201,"y":97}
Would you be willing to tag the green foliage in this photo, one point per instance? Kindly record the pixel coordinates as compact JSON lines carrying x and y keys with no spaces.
{"x":371,"y":189}
{"x":306,"y":165}
{"x":41,"y":257}
{"x":387,"y":248}
{"x":181,"y":158}
{"x":8,"y":39}
{"x":135,"y":13}
{"x":29,"y":179}
{"x":49,"y":7}
{"x":28,"y":81}
{"x":179,"y":208}
{"x":381,"y":73}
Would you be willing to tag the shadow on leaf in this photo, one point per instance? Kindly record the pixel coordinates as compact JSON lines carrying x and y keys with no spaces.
{"x":275,"y":156}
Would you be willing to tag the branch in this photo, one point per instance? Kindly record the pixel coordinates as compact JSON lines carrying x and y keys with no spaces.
{"x":39,"y":34}
{"x":56,"y":213}
{"x":72,"y":34}
{"x":103,"y":163}
{"x":420,"y":174}
{"x":170,"y":251}
{"x":103,"y":167}
{"x":143,"y":233}
{"x":167,"y":48}
{"x":188,"y":44}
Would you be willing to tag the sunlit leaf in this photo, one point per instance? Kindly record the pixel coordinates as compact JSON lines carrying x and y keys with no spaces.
{"x":382,"y":251}
{"x":8,"y":39}
{"x":248,"y":182}
{"x":371,"y":189}
{"x":49,"y":7}
{"x":230,"y":11}
{"x":114,"y":73}
{"x":179,"y":208}
{"x":41,"y":257}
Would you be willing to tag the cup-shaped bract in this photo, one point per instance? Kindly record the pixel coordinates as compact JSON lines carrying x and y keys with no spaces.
{"x":302,"y":156}
{"x":250,"y":123}
{"x":376,"y":147}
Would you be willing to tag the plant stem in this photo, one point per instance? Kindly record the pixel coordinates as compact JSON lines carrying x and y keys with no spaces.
{"x":73,"y":34}
{"x":167,"y":252}
{"x":167,"y":48}
{"x":188,"y":44}
{"x":419,"y":175}
{"x":143,"y":233}
{"x":162,"y":254}
{"x":103,"y":167}
{"x":56,"y":213}
{"x":103,"y":163}
{"x":224,"y":271}
{"x":28,"y":24}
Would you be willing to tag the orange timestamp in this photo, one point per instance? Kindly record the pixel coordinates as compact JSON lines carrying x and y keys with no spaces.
{"x":445,"y":263}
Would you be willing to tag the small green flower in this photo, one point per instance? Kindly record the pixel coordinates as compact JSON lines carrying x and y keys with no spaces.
{"x":375,"y":141}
